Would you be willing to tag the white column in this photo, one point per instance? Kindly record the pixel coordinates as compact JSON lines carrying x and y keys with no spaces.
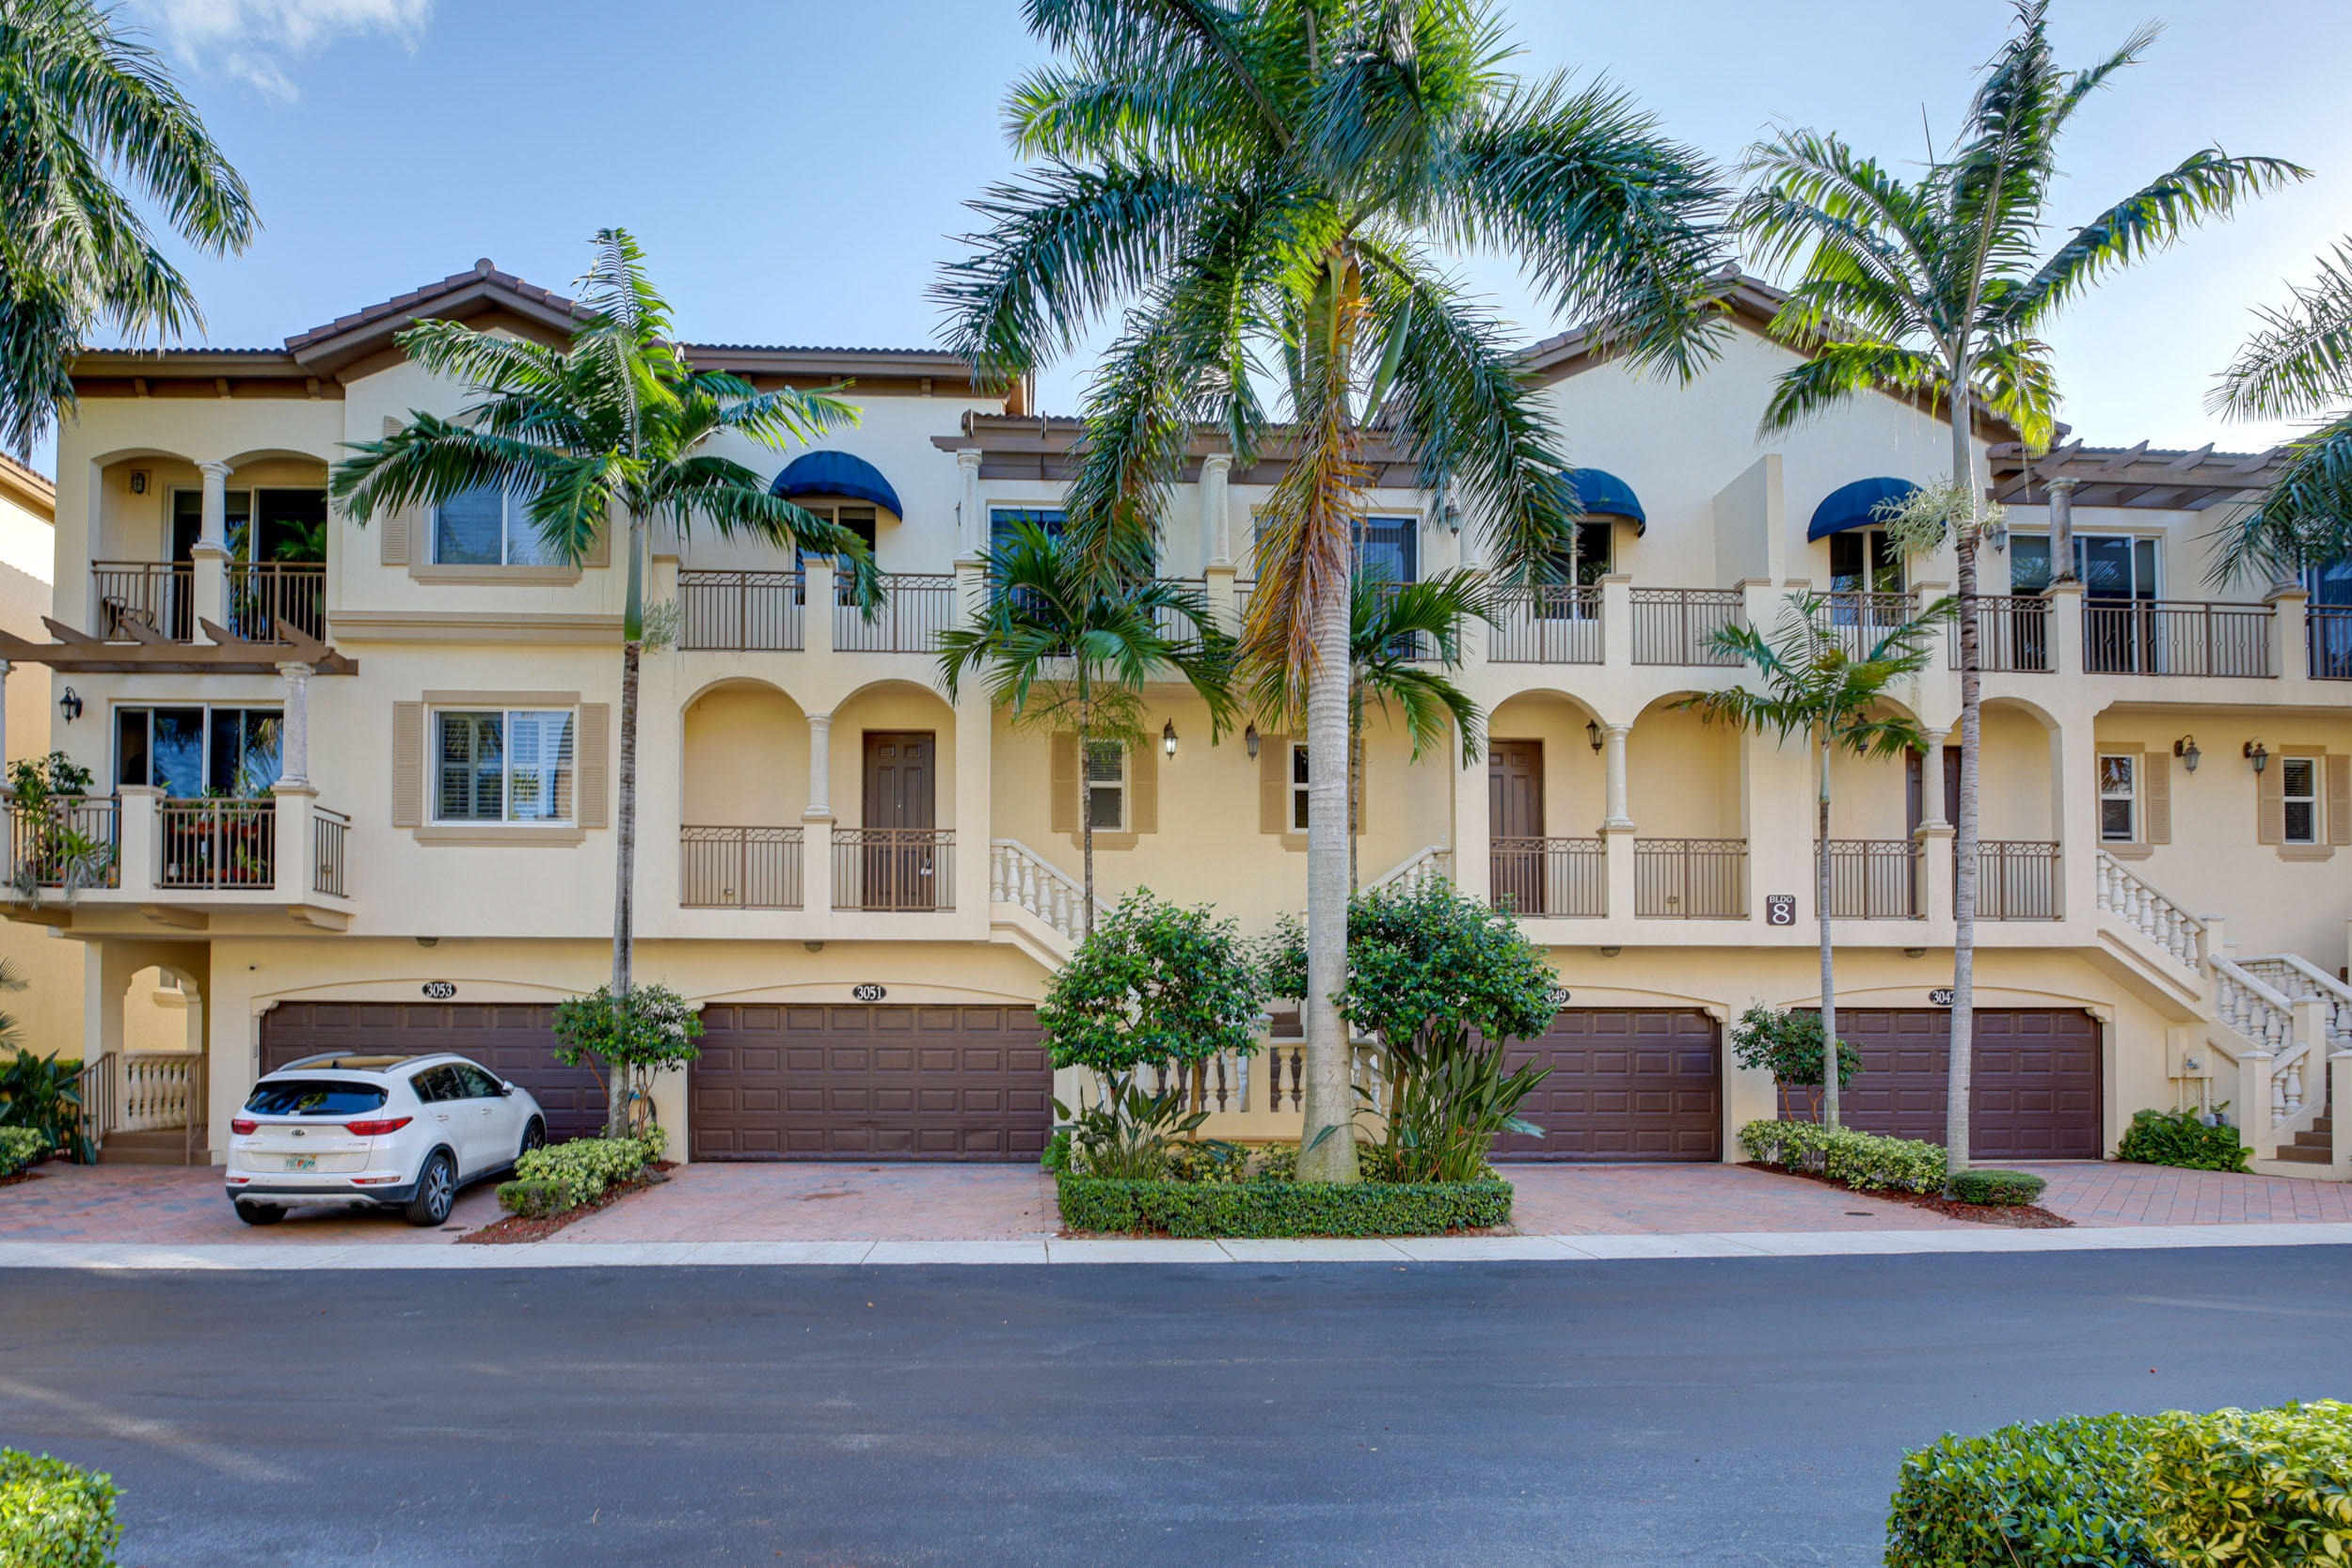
{"x":2061,"y":530}
{"x":819,"y":807}
{"x":294,"y":760}
{"x":1216,"y":541}
{"x":1931,"y":779}
{"x":816,"y":818}
{"x":210,"y":554}
{"x":1613,"y":759}
{"x":972,"y":520}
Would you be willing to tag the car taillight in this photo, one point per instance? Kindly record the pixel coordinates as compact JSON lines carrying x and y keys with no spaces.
{"x":375,"y":1129}
{"x":242,"y":1125}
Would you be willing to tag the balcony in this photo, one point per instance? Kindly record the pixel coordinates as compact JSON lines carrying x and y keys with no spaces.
{"x":2159,"y":636}
{"x":1859,"y":622}
{"x":1678,"y":625}
{"x":159,"y":596}
{"x":2016,"y":879}
{"x":739,"y":868}
{"x":1690,"y":879}
{"x":1551,"y":877}
{"x":2014,"y":636}
{"x":894,"y":870}
{"x":2328,"y":640}
{"x":72,"y":843}
{"x":179,"y":862}
{"x":915,"y":609}
{"x":263,"y":593}
{"x":1549,"y":624}
{"x":1873,"y":879}
{"x":742,"y":612}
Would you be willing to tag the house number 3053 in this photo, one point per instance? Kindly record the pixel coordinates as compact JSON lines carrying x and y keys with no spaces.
{"x":441,"y":990}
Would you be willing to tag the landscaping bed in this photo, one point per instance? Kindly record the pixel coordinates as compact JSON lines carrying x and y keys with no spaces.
{"x":1262,"y":1209}
{"x":564,"y":1182}
{"x":1906,"y":1170}
{"x":538,"y":1228}
{"x":2019,"y":1216}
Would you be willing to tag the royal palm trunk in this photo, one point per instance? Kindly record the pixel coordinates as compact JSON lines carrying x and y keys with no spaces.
{"x":1328,"y":1098}
{"x":1829,"y":990}
{"x":1965,"y":829}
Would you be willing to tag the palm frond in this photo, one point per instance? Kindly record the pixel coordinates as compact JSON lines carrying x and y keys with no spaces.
{"x":2301,"y":363}
{"x":2303,"y":520}
{"x":1838,"y":371}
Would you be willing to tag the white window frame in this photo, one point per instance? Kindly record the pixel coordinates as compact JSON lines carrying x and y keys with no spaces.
{"x":2130,"y":795}
{"x":2316,"y":832}
{"x":1122,"y":787}
{"x":512,"y":512}
{"x":506,"y":767}
{"x":1299,"y":788}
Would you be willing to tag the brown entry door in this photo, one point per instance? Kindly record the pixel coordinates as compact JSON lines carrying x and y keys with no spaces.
{"x":900,"y":861}
{"x":1515,"y":821}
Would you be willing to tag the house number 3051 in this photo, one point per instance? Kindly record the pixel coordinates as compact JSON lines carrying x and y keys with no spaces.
{"x":867,"y":993}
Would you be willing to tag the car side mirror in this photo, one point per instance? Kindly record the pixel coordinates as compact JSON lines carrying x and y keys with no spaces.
{"x":505,"y":1088}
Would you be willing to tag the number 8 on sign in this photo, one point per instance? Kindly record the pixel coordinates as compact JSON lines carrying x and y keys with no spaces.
{"x":1780,"y":909}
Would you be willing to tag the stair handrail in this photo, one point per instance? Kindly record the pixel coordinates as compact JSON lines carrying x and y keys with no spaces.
{"x":1433,"y":863}
{"x":93,"y":1087}
{"x":2147,"y":909}
{"x":1019,"y":876}
{"x":2298,"y":979}
{"x":2265,"y":1017}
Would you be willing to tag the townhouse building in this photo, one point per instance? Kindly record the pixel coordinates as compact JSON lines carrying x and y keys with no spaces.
{"x":358,"y":782}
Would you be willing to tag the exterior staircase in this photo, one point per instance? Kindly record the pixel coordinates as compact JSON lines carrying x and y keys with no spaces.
{"x":2313,"y":1145}
{"x":157,"y":1145}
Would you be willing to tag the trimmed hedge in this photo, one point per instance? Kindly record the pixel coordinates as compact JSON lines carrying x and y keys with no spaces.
{"x":20,"y":1146}
{"x":1863,"y":1160}
{"x":565,"y":1176}
{"x":2179,"y":1138}
{"x":2234,"y":1489}
{"x":1239,"y":1208}
{"x":2001,"y":1189}
{"x":54,"y":1514}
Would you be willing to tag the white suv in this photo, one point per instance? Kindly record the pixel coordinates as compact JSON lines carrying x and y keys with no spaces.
{"x":399,"y":1132}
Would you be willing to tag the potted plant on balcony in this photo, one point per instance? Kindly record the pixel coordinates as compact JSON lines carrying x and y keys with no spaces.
{"x":52,"y":846}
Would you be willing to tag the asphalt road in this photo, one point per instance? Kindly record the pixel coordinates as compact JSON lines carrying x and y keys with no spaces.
{"x":1718,"y":1413}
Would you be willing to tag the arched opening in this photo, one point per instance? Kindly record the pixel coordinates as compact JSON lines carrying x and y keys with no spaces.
{"x":892,"y":770}
{"x":743,"y":784}
{"x":1547,"y":793}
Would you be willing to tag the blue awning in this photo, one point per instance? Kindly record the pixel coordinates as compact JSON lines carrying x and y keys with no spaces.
{"x":1602,"y":493}
{"x":837,"y":473}
{"x":1855,"y":505}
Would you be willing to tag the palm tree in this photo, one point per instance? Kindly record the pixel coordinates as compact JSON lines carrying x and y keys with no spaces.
{"x":1064,"y":647}
{"x":2297,"y":367}
{"x":1813,"y":686}
{"x":614,"y":428}
{"x":1259,"y":185}
{"x":1940,"y":286}
{"x":80,"y":102}
{"x":1396,"y":631}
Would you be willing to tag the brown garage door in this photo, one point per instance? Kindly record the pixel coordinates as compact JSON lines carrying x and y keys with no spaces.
{"x":870,"y":1083}
{"x":2036,"y":1088}
{"x":515,"y":1042}
{"x":1626,"y":1084}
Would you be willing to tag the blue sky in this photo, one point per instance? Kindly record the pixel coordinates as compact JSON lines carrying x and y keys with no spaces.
{"x":796,"y":170}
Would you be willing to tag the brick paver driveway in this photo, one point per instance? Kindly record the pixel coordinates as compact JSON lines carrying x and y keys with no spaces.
{"x":171,"y":1204}
{"x":2092,"y":1192}
{"x":795,"y":1202}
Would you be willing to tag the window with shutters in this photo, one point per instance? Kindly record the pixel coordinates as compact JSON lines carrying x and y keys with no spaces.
{"x":2299,"y":792}
{"x":1107,"y":787}
{"x":511,"y":766}
{"x":486,"y":527}
{"x":1298,"y":786}
{"x":2119,"y":797}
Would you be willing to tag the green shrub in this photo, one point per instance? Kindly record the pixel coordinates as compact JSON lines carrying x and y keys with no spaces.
{"x":54,"y":1514}
{"x":20,"y":1146}
{"x":2000,"y":1188}
{"x":2179,"y":1138}
{"x":1281,"y":1207}
{"x":1863,"y":1160}
{"x":1788,"y":1045}
{"x":577,"y":1172}
{"x":2062,"y":1494}
{"x":2251,"y":1489}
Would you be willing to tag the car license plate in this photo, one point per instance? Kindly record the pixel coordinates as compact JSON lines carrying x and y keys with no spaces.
{"x":302,"y":1162}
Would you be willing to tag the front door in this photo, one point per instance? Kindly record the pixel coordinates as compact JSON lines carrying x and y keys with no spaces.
{"x":1514,"y":809}
{"x":900,"y":861}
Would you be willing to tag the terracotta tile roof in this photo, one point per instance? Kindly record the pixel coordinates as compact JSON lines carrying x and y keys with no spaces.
{"x":483,"y":271}
{"x":29,"y":486}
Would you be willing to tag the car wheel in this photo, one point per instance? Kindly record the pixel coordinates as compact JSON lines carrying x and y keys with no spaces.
{"x":535,"y":1136}
{"x":258,"y":1213}
{"x":436,"y":1189}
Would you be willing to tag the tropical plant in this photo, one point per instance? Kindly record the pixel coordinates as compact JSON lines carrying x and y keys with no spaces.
{"x":1788,"y":1045}
{"x":1131,"y":1133}
{"x":1259,"y":185}
{"x":614,"y":430}
{"x":1942,"y":287}
{"x":635,"y":1033}
{"x":82,"y":103}
{"x":48,"y":850}
{"x":1814,"y":687}
{"x":2297,"y":367}
{"x":1156,"y":983}
{"x":1064,"y":644}
{"x":44,"y":1094}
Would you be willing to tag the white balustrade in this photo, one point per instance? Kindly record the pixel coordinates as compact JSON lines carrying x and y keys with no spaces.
{"x":2146,"y":910}
{"x":1018,"y":874}
{"x":2298,"y":979}
{"x":1433,"y":864}
{"x":155,"y":1092}
{"x":2266,"y":1019}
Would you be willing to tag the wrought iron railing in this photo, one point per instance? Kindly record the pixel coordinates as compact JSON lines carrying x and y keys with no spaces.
{"x":263,"y":593}
{"x":742,"y":612}
{"x":330,"y":836}
{"x":894,"y":868}
{"x":915,"y":609}
{"x":2159,"y":637}
{"x":159,"y":595}
{"x":1678,"y":625}
{"x":1873,"y":879}
{"x":2328,"y":640}
{"x":1690,"y":879}
{"x":217,"y":844}
{"x":1861,"y":621}
{"x":2016,"y":879}
{"x":2014,"y":635}
{"x":1547,"y":623}
{"x":68,"y":842}
{"x":739,"y":868}
{"x":1555,"y":877}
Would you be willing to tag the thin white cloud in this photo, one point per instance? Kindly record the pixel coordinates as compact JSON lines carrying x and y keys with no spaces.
{"x":257,"y":41}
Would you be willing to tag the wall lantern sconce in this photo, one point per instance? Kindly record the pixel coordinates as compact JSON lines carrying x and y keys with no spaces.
{"x":2186,"y":749}
{"x":1249,"y":740}
{"x":1914,"y":952}
{"x":139,"y":482}
{"x":70,"y":705}
{"x":2257,"y":753}
{"x":1592,"y":735}
{"x":1997,"y":535}
{"x":1611,"y":951}
{"x":1167,"y":737}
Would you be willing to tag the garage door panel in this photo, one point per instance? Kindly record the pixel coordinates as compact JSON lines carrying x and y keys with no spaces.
{"x":516,"y":1041}
{"x":2035,"y":1092}
{"x":1626,"y":1084}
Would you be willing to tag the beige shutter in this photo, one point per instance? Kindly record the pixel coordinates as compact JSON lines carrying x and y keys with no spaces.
{"x":393,"y":527}
{"x":600,"y":549}
{"x":594,"y":758}
{"x":2270,"y":811}
{"x":1274,"y":784}
{"x":2340,"y":799}
{"x":1065,"y":787}
{"x":408,"y":765}
{"x":2155,"y":798}
{"x":1143,"y":787}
